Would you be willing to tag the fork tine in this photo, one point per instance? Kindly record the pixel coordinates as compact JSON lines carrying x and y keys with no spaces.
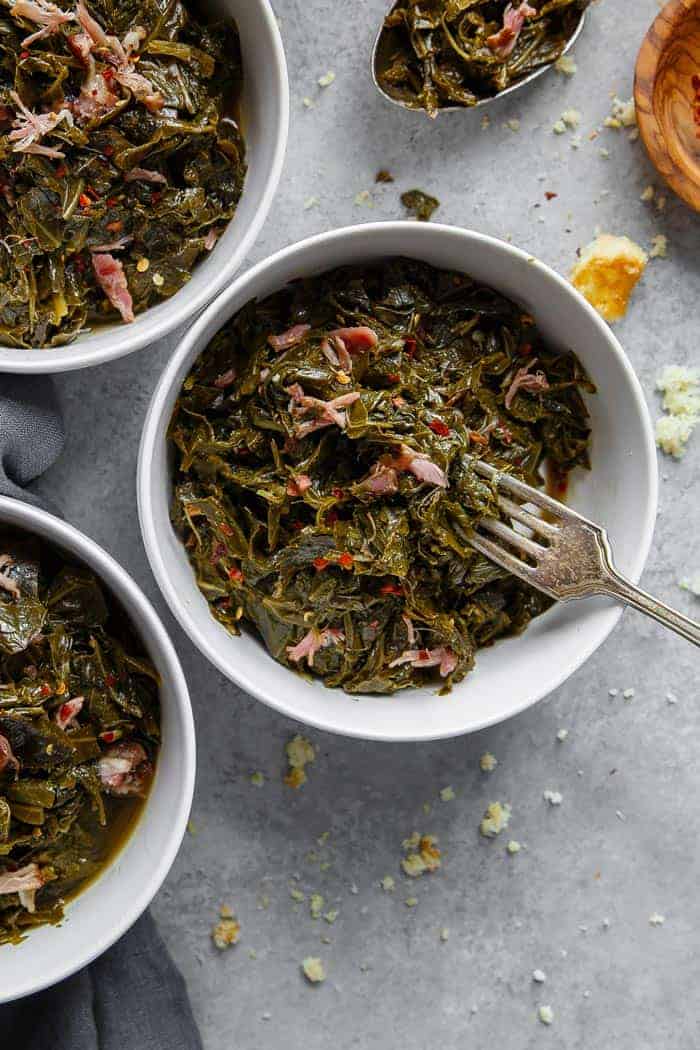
{"x":515,"y":510}
{"x":509,"y":535}
{"x":501,"y":557}
{"x":526,"y":492}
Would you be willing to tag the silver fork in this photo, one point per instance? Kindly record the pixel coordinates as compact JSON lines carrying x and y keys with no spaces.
{"x":570,"y":556}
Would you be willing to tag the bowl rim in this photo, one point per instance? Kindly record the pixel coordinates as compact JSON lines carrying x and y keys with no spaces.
{"x":127,"y":339}
{"x":155,"y":427}
{"x":46,"y":526}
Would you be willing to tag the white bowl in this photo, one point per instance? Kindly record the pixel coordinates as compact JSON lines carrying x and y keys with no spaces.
{"x":98,"y":916}
{"x":265,"y":123}
{"x":620,"y":492}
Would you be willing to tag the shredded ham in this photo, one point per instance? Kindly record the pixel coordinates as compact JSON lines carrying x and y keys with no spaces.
{"x":25,"y":881}
{"x":140,"y":87}
{"x":115,"y":246}
{"x":289,"y":338}
{"x":29,"y":128}
{"x":418,"y":464}
{"x":7,"y":757}
{"x":298,"y":484}
{"x":410,"y":629}
{"x":81,"y":45}
{"x":335,"y":351}
{"x":356,"y":339}
{"x":124,"y":769}
{"x":443,"y":658}
{"x":69,"y":711}
{"x":503,"y":42}
{"x":96,"y":96}
{"x":121,"y":56}
{"x":525,"y":380}
{"x":225,"y":379}
{"x":310,"y":644}
{"x":211,"y":239}
{"x":381,"y":481}
{"x":145,"y":175}
{"x":327,"y":413}
{"x":112,"y":280}
{"x":43,"y":13}
{"x":97,"y":34}
{"x":6,"y":582}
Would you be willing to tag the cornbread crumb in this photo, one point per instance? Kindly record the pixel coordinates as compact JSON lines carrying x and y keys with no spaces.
{"x":226,"y":932}
{"x":311,"y":202}
{"x":423,"y":855}
{"x":628,"y":694}
{"x":388,"y":884}
{"x":316,"y":905}
{"x":297,"y":895}
{"x":659,"y":247}
{"x":313,"y":970}
{"x":545,"y":1014}
{"x":487,"y":762}
{"x":647,"y":194}
{"x":672,"y":434}
{"x":308,"y":103}
{"x":327,"y":79}
{"x":622,"y":114}
{"x":513,"y":847}
{"x":445,"y":934}
{"x":495,"y":820}
{"x":566,"y":64}
{"x":158,"y":280}
{"x":681,"y":390}
{"x":562,"y":735}
{"x":485,"y":122}
{"x":411,"y":902}
{"x":257,"y":779}
{"x":554,"y":798}
{"x":692,"y":584}
{"x":571,"y":118}
{"x":656,"y":920}
{"x":330,"y":916}
{"x":142,"y":265}
{"x":300,"y":752}
{"x":364,"y":197}
{"x":513,"y":125}
{"x":607,"y":272}
{"x":447,"y":794}
{"x":539,"y":976}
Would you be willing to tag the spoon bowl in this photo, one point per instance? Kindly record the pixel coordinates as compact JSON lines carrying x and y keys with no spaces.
{"x":381,"y":45}
{"x":665,"y":97}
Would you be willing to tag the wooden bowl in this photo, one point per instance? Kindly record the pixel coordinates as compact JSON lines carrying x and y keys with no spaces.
{"x":665,"y":97}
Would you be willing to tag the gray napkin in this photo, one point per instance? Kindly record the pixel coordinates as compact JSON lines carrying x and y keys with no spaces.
{"x":133,"y":996}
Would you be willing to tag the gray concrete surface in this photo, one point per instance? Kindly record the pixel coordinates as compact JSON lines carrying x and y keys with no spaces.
{"x":391,"y":981}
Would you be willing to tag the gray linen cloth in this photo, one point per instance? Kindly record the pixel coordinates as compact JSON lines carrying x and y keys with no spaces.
{"x":133,"y":996}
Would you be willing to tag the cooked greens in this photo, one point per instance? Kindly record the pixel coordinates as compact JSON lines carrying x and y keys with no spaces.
{"x":420,"y":204}
{"x":79,"y":730}
{"x":324,"y":483}
{"x":456,"y":52}
{"x":120,"y":159}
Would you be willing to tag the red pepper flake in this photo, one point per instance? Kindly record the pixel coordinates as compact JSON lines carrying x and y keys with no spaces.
{"x":438,"y":427}
{"x":477,"y":438}
{"x":108,"y":737}
{"x":115,"y":227}
{"x":46,"y":690}
{"x":339,"y":493}
{"x":110,"y":680}
{"x":80,"y":264}
{"x":108,"y":73}
{"x":84,"y":200}
{"x":298,"y":525}
{"x":374,"y":624}
{"x":320,"y":564}
{"x":392,"y":588}
{"x":236,"y":575}
{"x":24,"y":54}
{"x":550,"y":196}
{"x":409,"y":345}
{"x":93,"y":192}
{"x":393,"y":377}
{"x":346,"y":560}
{"x":61,"y":171}
{"x":112,"y":202}
{"x":332,"y":517}
{"x":155,"y":197}
{"x":226,"y":528}
{"x":525,"y":350}
{"x":108,"y":151}
{"x":423,"y":654}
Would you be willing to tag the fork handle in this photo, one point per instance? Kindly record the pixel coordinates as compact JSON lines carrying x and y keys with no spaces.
{"x":618,"y":587}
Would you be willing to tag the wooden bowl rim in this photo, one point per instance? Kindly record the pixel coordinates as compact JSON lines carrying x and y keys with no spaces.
{"x":661,"y":32}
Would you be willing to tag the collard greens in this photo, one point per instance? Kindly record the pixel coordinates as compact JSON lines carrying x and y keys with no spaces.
{"x":120,"y":159}
{"x":79,"y":729}
{"x":436,"y":53}
{"x":324,"y":485}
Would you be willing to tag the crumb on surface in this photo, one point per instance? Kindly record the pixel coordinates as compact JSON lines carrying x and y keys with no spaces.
{"x":513,"y":847}
{"x":226,"y":933}
{"x":566,"y":64}
{"x":257,"y":779}
{"x":691,"y":584}
{"x":659,"y":247}
{"x":447,"y":794}
{"x":562,"y":735}
{"x":495,"y":819}
{"x":411,"y":902}
{"x":487,"y":762}
{"x":539,"y":976}
{"x":300,"y":752}
{"x":681,"y":389}
{"x":313,"y":969}
{"x":423,"y":855}
{"x":388,"y":884}
{"x":656,"y":920}
{"x":545,"y":1014}
{"x":316,"y":905}
{"x":445,"y":934}
{"x":327,"y":79}
{"x":364,"y":197}
{"x":622,"y":114}
{"x":554,"y":798}
{"x":607,"y":272}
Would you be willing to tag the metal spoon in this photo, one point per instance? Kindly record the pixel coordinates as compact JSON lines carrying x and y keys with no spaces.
{"x":484,"y":101}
